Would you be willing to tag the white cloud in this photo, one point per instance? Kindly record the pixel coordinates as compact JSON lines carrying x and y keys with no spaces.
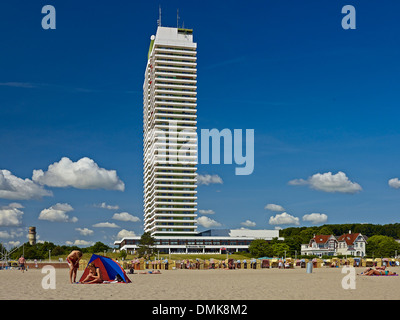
{"x":394,"y":183}
{"x":298,"y":182}
{"x":58,"y":213}
{"x":10,"y":216}
{"x":315,"y":218}
{"x":206,"y":211}
{"x":79,"y":243}
{"x":105,"y":225}
{"x":84,"y":231}
{"x":14,"y":244}
{"x":125,"y":216}
{"x":5,"y":235}
{"x":124,"y":234}
{"x":14,"y":188}
{"x":83,"y":174}
{"x":10,"y":234}
{"x":207,"y":222}
{"x":106,"y":206}
{"x":248,"y":223}
{"x":16,"y":205}
{"x":18,"y":84}
{"x":208,"y":179}
{"x":329,"y":182}
{"x":274,"y":207}
{"x":284,"y":218}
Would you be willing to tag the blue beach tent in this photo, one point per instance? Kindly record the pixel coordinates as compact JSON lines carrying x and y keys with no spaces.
{"x":110,"y":269}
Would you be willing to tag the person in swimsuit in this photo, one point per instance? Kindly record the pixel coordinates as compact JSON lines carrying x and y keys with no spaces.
{"x":373,"y":272}
{"x":22,"y":262}
{"x":94,"y":275}
{"x":73,"y":263}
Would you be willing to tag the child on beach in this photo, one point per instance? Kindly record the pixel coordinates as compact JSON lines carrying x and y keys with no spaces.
{"x":94,"y":275}
{"x":73,"y":263}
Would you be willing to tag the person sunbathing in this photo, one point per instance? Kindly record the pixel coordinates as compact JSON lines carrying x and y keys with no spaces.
{"x":151,"y":272}
{"x":373,"y":272}
{"x":94,"y":275}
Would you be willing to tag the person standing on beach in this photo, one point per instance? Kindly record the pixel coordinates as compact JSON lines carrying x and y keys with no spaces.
{"x":73,"y":263}
{"x":22,"y":262}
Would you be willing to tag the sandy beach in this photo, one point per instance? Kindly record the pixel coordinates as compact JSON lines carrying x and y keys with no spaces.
{"x":219,"y":284}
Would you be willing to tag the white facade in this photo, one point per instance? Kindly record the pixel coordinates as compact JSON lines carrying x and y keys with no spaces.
{"x":169,"y":129}
{"x":354,"y":245}
{"x":347,"y":244}
{"x":211,"y":241}
{"x":320,"y":245}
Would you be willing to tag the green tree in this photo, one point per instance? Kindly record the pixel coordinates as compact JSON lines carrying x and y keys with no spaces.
{"x":146,"y":245}
{"x":123,"y":254}
{"x":294,"y":243}
{"x":306,"y":234}
{"x":260,"y":248}
{"x":98,"y":247}
{"x":57,"y":251}
{"x":279,"y":249}
{"x":326,"y":230}
{"x":382,"y":246}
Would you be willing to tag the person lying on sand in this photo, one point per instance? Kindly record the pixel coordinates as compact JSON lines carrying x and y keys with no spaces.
{"x":151,"y":272}
{"x":373,"y":272}
{"x":94,"y":275}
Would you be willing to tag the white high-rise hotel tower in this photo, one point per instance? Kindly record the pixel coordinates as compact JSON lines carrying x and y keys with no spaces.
{"x":170,"y":154}
{"x":169,"y":131}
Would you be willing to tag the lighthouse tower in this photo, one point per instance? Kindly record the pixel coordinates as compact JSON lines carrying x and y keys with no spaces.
{"x":32,"y":235}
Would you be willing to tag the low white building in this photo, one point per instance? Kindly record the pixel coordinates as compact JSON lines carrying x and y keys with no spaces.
{"x":210,"y":241}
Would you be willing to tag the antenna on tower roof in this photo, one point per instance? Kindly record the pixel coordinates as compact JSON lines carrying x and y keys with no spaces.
{"x":159,"y":19}
{"x":177,"y":18}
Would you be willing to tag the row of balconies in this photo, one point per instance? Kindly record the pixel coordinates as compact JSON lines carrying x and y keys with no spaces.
{"x":167,"y":74}
{"x":174,"y":102}
{"x":175,"y":60}
{"x":151,"y":188}
{"x":162,"y":85}
{"x":174,"y":56}
{"x":153,"y":213}
{"x":155,"y":174}
{"x":182,"y":50}
{"x":178,"y":68}
{"x":177,"y":73}
{"x":153,"y":203}
{"x":166,"y":168}
{"x":150,"y":168}
{"x":183,"y":115}
{"x":175,"y":97}
{"x":182,"y":91}
{"x":173,"y":51}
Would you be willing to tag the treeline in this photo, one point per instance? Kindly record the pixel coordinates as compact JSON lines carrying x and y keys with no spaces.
{"x":42,"y":250}
{"x":366,"y":229}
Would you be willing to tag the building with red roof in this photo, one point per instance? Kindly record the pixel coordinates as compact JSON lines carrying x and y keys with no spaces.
{"x":352,"y":244}
{"x":320,"y":245}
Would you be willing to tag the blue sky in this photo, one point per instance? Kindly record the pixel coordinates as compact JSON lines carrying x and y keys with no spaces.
{"x":321,"y":100}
